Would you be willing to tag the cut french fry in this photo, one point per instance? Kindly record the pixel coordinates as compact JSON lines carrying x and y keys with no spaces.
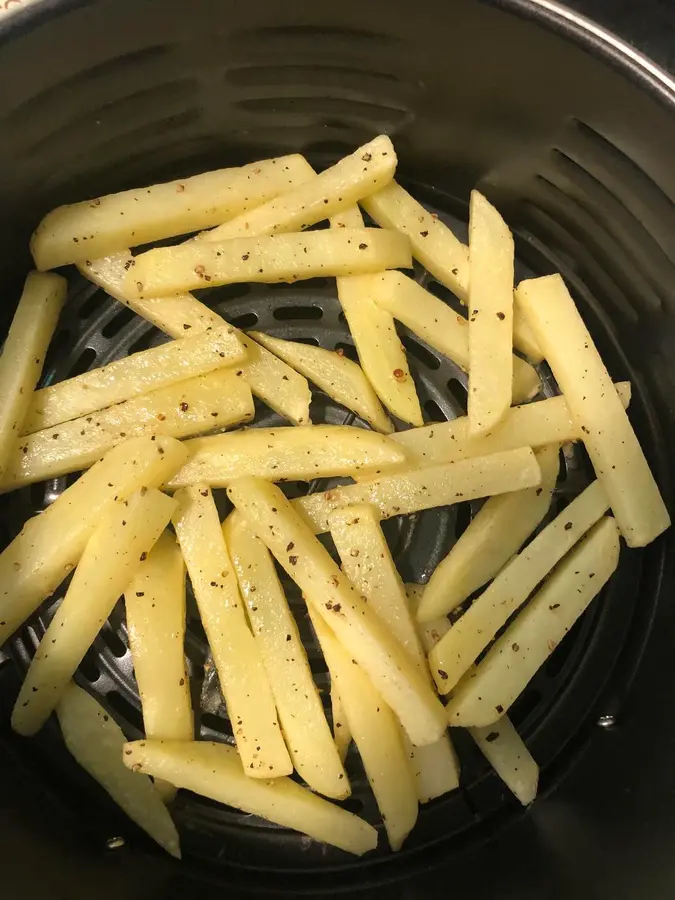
{"x":341,"y":731}
{"x":418,"y":489}
{"x":442,"y":254}
{"x":270,"y":259}
{"x":358,"y":175}
{"x":441,"y":327}
{"x":105,"y":225}
{"x":122,"y":539}
{"x":377,"y":735}
{"x":497,"y":533}
{"x":97,"y":743}
{"x":274,"y":520}
{"x":23,"y":354}
{"x":286,"y":454}
{"x":504,"y":749}
{"x":243,"y":679}
{"x":215,"y":771}
{"x":301,"y":714}
{"x":490,"y":302}
{"x":50,"y":544}
{"x":339,"y":377}
{"x":180,"y":410}
{"x":468,"y":637}
{"x":133,"y":376}
{"x":608,"y":436}
{"x":490,"y":689}
{"x":432,"y":631}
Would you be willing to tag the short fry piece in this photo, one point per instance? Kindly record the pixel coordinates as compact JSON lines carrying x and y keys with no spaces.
{"x":237,"y":657}
{"x":23,"y":354}
{"x":97,"y":742}
{"x":609,"y":438}
{"x":504,"y":749}
{"x":490,"y":689}
{"x":123,"y":538}
{"x":215,"y":771}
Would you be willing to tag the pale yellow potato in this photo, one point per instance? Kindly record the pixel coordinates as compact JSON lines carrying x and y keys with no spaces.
{"x":237,"y":657}
{"x":608,"y":436}
{"x":97,"y":742}
{"x":490,"y":305}
{"x":303,"y":722}
{"x":442,"y":254}
{"x":270,"y":259}
{"x":469,"y":636}
{"x":432,"y":631}
{"x":490,"y":689}
{"x":287,"y":454}
{"x":491,"y":539}
{"x":417,"y":489}
{"x":23,"y":354}
{"x":133,"y":376}
{"x":50,"y":544}
{"x":275,"y":521}
{"x":122,"y":539}
{"x":504,"y":749}
{"x":343,"y":380}
{"x":215,"y":771}
{"x":105,"y":225}
{"x":441,"y":327}
{"x":341,"y":731}
{"x":180,"y":410}
{"x":358,"y":175}
{"x":377,"y":735}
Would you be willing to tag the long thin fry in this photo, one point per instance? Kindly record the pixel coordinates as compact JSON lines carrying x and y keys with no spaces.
{"x":342,"y":733}
{"x":504,"y":749}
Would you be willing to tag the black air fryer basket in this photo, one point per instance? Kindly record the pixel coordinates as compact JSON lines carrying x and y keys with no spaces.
{"x":571,"y":134}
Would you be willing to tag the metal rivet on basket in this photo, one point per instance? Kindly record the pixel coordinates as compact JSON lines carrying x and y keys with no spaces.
{"x":607,"y":721}
{"x":115,"y":843}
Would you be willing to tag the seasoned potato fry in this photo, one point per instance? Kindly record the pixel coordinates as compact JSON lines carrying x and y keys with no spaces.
{"x":498,"y":531}
{"x":441,"y":327}
{"x":608,"y":436}
{"x":488,"y":692}
{"x":286,"y":454}
{"x":461,"y":646}
{"x":418,"y":489}
{"x":432,"y":631}
{"x":504,"y":749}
{"x":50,"y":544}
{"x":23,"y":354}
{"x":123,"y":538}
{"x":358,"y":175}
{"x":215,"y":771}
{"x":179,"y":410}
{"x":490,"y":302}
{"x":133,"y":376}
{"x":97,"y":743}
{"x":108,"y":224}
{"x":377,"y":735}
{"x":341,"y":731}
{"x":327,"y":590}
{"x":333,"y":373}
{"x":243,"y":679}
{"x":301,"y":714}
{"x":271,"y":259}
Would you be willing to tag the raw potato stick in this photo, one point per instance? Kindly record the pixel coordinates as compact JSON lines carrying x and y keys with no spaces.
{"x":411,"y":491}
{"x":490,"y":689}
{"x":492,"y":538}
{"x":23,"y":354}
{"x":468,"y":637}
{"x":377,"y":735}
{"x":50,"y":544}
{"x":504,"y":749}
{"x":243,"y":679}
{"x":97,"y":742}
{"x":286,"y":454}
{"x":215,"y":771}
{"x":328,"y":591}
{"x":608,"y":436}
{"x":341,"y":731}
{"x":133,"y":376}
{"x":122,"y":539}
{"x":180,"y":410}
{"x":301,"y":714}
{"x":105,"y":225}
{"x":431,"y":631}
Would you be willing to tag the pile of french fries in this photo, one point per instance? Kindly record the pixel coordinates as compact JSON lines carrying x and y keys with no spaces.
{"x":155,"y":433}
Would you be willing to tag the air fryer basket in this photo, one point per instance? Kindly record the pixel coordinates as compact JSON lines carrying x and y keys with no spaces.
{"x":572,"y":142}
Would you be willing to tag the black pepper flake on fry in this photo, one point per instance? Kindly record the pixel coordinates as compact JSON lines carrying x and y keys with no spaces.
{"x":554,"y":606}
{"x":500,"y":709}
{"x":184,"y":407}
{"x":290,"y":546}
{"x":293,"y":560}
{"x":492,"y":736}
{"x":288,"y":637}
{"x":367,"y":157}
{"x":424,"y":233}
{"x":140,"y":593}
{"x":568,"y":525}
{"x":143,"y":556}
{"x":245,"y":256}
{"x":501,"y":316}
{"x":515,"y":647}
{"x":363,"y":246}
{"x":444,"y":675}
